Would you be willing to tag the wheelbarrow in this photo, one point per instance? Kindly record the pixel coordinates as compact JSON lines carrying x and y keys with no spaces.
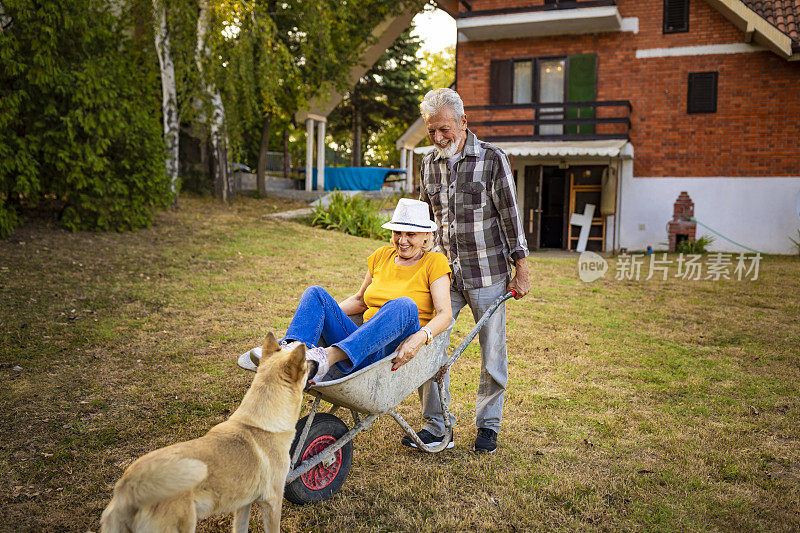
{"x":322,"y":451}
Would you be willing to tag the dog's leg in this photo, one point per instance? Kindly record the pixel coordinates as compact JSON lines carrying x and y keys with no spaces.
{"x":241,"y":519}
{"x":271,"y":514}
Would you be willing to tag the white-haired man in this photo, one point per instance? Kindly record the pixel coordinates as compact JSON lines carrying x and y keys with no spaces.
{"x":470,"y":188}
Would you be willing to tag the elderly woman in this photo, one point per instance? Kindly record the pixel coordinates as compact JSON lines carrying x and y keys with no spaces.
{"x":405,"y":299}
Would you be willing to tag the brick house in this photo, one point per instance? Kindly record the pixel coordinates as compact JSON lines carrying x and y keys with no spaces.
{"x":627,"y":104}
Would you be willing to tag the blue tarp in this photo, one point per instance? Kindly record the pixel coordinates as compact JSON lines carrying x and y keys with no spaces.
{"x":355,"y":178}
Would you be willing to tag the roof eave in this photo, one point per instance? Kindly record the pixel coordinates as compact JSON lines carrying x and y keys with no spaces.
{"x":756,"y":28}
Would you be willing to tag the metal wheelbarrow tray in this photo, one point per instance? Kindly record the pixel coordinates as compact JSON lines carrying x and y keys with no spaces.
{"x":319,"y":466}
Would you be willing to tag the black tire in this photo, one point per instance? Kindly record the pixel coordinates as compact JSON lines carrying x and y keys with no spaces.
{"x":320,"y":483}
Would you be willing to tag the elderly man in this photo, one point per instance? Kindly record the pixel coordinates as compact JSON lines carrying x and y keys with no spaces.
{"x":470,"y":188}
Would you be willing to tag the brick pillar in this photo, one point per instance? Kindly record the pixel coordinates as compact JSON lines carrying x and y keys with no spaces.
{"x":680,"y":224}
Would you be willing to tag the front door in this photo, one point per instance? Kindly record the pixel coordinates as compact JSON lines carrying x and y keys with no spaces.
{"x":533,"y":205}
{"x":545,"y":207}
{"x":555,"y":191}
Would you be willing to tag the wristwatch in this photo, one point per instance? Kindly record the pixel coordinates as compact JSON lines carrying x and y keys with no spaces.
{"x":427,"y":331}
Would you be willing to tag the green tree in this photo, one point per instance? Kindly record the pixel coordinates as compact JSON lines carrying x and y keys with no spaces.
{"x":383,"y":103}
{"x":439,"y":68}
{"x":82,"y":102}
{"x":79,"y":127}
{"x":275,"y":56}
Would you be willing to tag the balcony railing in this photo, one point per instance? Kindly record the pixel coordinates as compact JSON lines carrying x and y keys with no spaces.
{"x":567,"y":121}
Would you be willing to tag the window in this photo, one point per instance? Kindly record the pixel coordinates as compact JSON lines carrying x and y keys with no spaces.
{"x":545,"y":81}
{"x":551,"y":90}
{"x":702,"y":93}
{"x":523,"y":82}
{"x":676,"y":16}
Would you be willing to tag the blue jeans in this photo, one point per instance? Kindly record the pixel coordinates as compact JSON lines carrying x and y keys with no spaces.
{"x":319,"y":318}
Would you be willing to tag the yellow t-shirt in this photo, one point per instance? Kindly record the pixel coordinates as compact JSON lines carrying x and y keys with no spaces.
{"x":390,"y":281}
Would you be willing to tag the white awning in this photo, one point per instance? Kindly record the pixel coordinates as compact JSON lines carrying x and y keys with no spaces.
{"x":611,"y":148}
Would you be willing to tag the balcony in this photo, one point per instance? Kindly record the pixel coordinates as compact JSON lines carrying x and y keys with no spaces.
{"x":561,"y":18}
{"x":568,"y":121}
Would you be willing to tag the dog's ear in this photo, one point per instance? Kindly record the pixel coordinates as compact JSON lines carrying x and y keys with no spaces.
{"x":296,"y":364}
{"x":270,"y":346}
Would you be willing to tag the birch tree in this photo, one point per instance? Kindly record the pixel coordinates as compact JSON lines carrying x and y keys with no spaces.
{"x":214,"y":110}
{"x":169,"y":98}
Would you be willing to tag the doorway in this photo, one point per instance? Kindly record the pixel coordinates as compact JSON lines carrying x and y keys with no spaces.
{"x":552,"y":194}
{"x":545,"y":207}
{"x":585,"y":187}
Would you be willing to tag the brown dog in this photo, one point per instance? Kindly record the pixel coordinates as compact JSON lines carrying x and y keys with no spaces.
{"x":241,"y":461}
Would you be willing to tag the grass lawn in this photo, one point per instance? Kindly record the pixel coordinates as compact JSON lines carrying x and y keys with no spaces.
{"x":632,"y":405}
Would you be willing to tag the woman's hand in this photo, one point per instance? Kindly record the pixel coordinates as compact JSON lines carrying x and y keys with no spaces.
{"x":354,"y":305}
{"x":408,"y":349}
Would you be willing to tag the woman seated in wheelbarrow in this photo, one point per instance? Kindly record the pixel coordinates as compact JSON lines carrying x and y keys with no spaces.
{"x":405,"y":299}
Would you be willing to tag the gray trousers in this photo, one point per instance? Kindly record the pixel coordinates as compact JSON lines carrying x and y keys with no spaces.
{"x":494,"y":363}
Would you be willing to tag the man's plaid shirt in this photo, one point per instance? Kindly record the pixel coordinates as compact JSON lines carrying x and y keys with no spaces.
{"x":479,"y":226}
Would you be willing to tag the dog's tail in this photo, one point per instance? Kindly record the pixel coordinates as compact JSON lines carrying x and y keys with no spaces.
{"x":148,"y":483}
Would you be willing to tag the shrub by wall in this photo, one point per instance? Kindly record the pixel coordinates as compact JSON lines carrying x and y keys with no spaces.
{"x":354,"y":215}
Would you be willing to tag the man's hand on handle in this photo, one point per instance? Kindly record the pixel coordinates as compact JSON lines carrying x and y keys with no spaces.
{"x":520,"y":283}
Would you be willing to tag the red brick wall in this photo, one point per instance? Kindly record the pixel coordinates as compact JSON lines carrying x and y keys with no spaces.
{"x":755,"y":131}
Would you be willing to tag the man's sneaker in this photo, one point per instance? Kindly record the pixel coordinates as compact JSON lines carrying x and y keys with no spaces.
{"x":427,"y":438}
{"x":486,"y":441}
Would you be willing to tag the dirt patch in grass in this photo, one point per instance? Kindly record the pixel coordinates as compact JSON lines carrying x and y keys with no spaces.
{"x":631,"y":405}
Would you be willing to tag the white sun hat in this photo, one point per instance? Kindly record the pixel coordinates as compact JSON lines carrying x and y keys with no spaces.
{"x":411,"y":215}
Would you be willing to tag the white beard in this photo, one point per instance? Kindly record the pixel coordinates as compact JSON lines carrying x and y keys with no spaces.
{"x":450,"y":151}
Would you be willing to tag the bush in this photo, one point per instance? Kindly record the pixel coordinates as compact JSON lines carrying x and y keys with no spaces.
{"x":354,"y":215}
{"x":694,"y":247}
{"x":81,"y":116}
{"x":8,"y":219}
{"x":796,"y":242}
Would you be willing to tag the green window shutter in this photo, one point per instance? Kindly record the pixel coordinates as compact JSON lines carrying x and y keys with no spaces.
{"x":582,"y":87}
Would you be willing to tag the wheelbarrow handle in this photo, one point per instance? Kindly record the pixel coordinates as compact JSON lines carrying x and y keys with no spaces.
{"x":474,"y":331}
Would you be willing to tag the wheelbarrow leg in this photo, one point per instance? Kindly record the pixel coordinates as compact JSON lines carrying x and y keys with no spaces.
{"x":307,"y":427}
{"x":448,"y":425}
{"x":448,"y":431}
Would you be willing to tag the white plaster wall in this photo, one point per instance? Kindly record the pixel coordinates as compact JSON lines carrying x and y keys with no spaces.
{"x":757,"y":212}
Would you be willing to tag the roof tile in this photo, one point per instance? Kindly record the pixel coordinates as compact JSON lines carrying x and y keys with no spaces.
{"x":783,"y":14}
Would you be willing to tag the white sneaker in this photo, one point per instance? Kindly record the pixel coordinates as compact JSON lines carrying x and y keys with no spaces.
{"x":319,"y":356}
{"x":255,"y":355}
{"x":249,"y":360}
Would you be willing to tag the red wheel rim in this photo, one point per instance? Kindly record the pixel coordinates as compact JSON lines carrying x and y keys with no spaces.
{"x":321,"y":476}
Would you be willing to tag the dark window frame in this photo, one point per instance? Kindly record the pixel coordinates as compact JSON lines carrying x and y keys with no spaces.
{"x":537,"y":79}
{"x":693,"y":107}
{"x":566,"y":74}
{"x":535,"y":62}
{"x":674,"y":28}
